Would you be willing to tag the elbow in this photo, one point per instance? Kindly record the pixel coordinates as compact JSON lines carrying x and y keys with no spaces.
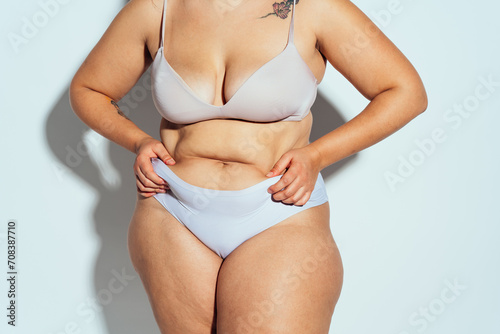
{"x":416,"y":97}
{"x":73,"y":93}
{"x":422,"y":101}
{"x":76,"y":95}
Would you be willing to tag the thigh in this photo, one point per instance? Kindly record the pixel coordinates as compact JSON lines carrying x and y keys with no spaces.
{"x":286,"y":279}
{"x":177,"y":270}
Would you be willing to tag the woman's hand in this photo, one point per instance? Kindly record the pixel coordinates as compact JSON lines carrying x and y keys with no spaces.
{"x":303,"y":167}
{"x":148,"y":182}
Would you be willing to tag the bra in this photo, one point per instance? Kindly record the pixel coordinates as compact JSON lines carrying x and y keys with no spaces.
{"x":283,"y":89}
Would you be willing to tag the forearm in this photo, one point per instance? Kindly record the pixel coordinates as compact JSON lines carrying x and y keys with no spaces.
{"x":388,"y":112}
{"x":102,"y":114}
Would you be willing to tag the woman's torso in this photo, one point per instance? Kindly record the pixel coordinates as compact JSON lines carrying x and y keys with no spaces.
{"x":204,"y":43}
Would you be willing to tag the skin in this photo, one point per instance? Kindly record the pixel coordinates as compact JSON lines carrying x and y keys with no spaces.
{"x":287,"y":278}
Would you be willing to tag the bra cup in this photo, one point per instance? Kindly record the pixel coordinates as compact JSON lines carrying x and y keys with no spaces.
{"x":284,"y":88}
{"x":279,"y":90}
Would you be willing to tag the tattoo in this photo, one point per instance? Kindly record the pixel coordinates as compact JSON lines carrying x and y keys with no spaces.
{"x":281,"y":9}
{"x":118,"y":110}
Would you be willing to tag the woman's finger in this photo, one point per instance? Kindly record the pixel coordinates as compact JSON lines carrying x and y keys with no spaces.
{"x":304,"y":198}
{"x":163,"y":154}
{"x":145,"y":194}
{"x":283,"y":182}
{"x":143,"y":188}
{"x":149,"y":173}
{"x":280,"y":165}
{"x":287,"y":191}
{"x":293,"y":195}
{"x":146,"y":180}
{"x":144,"y":184}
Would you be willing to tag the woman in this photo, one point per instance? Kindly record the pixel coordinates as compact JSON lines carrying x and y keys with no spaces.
{"x":231,"y":228}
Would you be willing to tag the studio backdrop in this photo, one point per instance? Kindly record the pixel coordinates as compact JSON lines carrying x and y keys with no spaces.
{"x":416,"y":216}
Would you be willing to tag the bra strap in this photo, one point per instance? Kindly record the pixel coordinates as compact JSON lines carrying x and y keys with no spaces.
{"x":290,"y":33}
{"x":163,"y":21}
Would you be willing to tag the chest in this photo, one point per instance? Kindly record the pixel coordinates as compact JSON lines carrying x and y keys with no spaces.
{"x":215,"y":52}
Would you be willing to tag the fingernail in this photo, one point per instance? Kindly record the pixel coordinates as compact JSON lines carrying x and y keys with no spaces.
{"x":269,"y":174}
{"x":269,"y":190}
{"x":170,"y":161}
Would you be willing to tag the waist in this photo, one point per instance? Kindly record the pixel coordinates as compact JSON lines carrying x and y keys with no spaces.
{"x":230,"y":154}
{"x":219,"y":175}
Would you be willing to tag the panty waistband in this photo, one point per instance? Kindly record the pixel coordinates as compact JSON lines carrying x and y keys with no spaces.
{"x":226,"y":202}
{"x":166,"y":173}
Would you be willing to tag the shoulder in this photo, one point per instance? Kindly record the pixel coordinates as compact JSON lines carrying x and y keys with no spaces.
{"x":145,"y":6}
{"x":321,"y":14}
{"x":323,"y":8}
{"x":144,"y":15}
{"x":141,"y":19}
{"x":337,"y":22}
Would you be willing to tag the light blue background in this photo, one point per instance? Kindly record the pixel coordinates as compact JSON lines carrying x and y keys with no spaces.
{"x":402,"y":247}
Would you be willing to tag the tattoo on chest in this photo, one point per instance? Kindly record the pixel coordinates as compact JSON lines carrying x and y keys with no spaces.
{"x":281,"y":9}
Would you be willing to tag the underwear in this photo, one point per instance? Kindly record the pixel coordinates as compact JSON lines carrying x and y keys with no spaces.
{"x":224,"y":219}
{"x":282,"y":89}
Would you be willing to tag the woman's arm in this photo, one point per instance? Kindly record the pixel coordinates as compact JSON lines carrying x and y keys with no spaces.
{"x":111,"y":69}
{"x":108,"y":73}
{"x":375,"y":66}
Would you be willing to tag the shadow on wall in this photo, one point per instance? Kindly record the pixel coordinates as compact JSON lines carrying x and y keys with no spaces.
{"x":326,"y":118}
{"x":107,"y":168}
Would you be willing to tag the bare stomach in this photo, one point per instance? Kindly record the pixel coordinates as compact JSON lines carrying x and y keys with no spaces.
{"x":227,"y":154}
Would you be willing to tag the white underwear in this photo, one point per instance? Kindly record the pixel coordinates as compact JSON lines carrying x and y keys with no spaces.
{"x":224,"y":219}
